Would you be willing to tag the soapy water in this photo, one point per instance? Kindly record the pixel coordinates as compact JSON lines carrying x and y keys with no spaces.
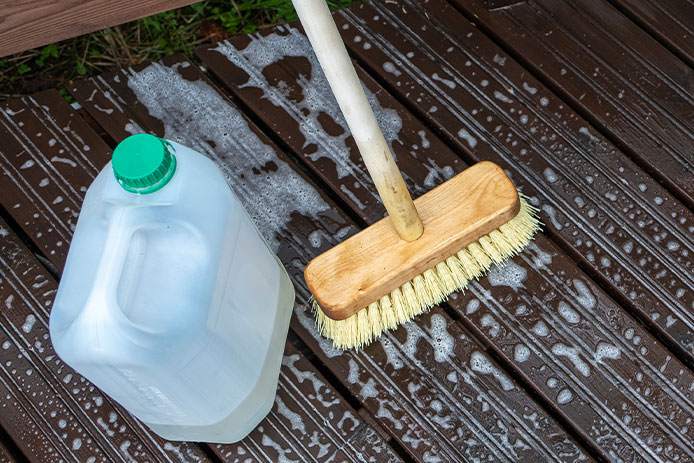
{"x":481,"y":364}
{"x":238,"y":149}
{"x":318,"y":101}
{"x":507,"y":274}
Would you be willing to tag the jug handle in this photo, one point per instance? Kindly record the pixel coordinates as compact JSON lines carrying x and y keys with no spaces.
{"x":110,"y":267}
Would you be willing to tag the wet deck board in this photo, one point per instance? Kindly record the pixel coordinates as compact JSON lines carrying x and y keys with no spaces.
{"x":295,"y":426}
{"x":276,"y":76}
{"x":49,"y":156}
{"x":670,"y":21}
{"x":419,"y":383}
{"x":622,"y":80}
{"x":609,"y":214}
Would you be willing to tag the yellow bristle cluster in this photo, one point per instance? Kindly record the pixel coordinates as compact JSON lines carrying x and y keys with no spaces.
{"x":434,"y":285}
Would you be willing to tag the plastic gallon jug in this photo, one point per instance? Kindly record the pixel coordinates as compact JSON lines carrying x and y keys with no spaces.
{"x":171,"y":302}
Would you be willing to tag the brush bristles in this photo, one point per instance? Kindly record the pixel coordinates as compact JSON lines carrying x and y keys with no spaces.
{"x":433,"y":286}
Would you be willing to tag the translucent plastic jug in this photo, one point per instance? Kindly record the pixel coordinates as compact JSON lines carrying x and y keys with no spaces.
{"x":171,"y":302}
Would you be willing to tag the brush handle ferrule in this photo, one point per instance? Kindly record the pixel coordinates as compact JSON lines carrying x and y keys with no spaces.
{"x":344,"y":82}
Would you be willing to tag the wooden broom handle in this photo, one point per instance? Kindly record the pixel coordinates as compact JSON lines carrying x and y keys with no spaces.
{"x":337,"y":66}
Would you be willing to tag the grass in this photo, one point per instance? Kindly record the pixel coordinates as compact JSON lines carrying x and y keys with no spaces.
{"x":175,"y":31}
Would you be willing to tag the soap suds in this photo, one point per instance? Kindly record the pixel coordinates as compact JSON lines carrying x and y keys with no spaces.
{"x":572,"y":354}
{"x":568,"y":313}
{"x":318,"y":99}
{"x":605,"y":350}
{"x":564,"y":396}
{"x":521,"y":353}
{"x":183,"y":107}
{"x":442,"y":341}
{"x":508,"y":274}
{"x":481,"y":364}
{"x":585,"y":296}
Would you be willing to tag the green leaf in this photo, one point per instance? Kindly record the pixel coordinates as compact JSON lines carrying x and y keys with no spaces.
{"x":199,"y":8}
{"x":249,"y":28}
{"x":23,"y":68}
{"x":66,"y":95}
{"x":49,"y":50}
{"x":81,"y":69}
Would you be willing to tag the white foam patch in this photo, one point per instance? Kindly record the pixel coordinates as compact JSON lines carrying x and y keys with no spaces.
{"x":353,"y":376}
{"x":390,"y":67}
{"x":442,"y":341}
{"x":540,"y":329}
{"x":508,"y":274}
{"x":529,"y":89}
{"x":472,"y":306}
{"x":425,"y":142}
{"x":564,"y":396}
{"x":502,"y":97}
{"x":281,"y":452}
{"x":368,"y":390}
{"x":29,"y":322}
{"x":318,"y":99}
{"x":585,"y":296}
{"x":521,"y":353}
{"x":499,"y":60}
{"x":294,"y":418}
{"x":591,"y":137}
{"x":571,"y":353}
{"x":194,"y":114}
{"x":605,"y":350}
{"x":552,"y":214}
{"x":481,"y":364}
{"x":392,"y":354}
{"x":550,"y":175}
{"x":465,"y":135}
{"x":448,"y":83}
{"x":540,"y":259}
{"x":567,"y":313}
{"x":487,"y":321}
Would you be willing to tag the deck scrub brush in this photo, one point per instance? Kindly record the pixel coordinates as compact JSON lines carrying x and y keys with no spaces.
{"x":423,"y":250}
{"x":433,"y":286}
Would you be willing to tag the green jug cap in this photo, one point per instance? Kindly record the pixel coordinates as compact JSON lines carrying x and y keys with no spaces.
{"x":143,"y":163}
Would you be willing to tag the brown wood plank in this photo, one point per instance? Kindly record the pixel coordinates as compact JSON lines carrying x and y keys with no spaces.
{"x":26,"y":24}
{"x":51,"y":412}
{"x":309,"y":422}
{"x":48,"y":158}
{"x":541,"y":290}
{"x":295,"y":427}
{"x":605,"y":210}
{"x":671,"y":21}
{"x":417,"y":383}
{"x":620,"y":79}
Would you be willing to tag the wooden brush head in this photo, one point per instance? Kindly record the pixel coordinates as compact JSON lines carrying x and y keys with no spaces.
{"x":374,"y":262}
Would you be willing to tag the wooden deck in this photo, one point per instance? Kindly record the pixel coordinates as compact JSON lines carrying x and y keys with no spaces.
{"x":581,"y":349}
